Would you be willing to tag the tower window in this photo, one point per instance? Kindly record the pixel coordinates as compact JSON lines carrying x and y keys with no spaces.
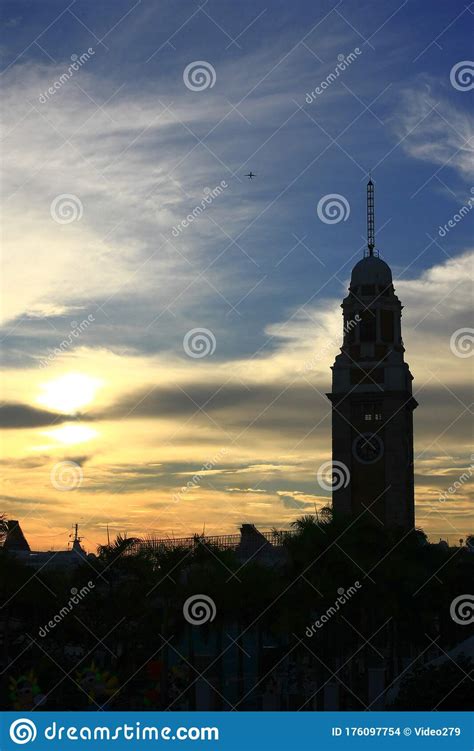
{"x":386,"y":325}
{"x":367,"y":326}
{"x":372,"y":412}
{"x":349,"y":330}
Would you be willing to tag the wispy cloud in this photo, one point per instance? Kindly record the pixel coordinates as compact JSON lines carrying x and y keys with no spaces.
{"x":435,"y":129}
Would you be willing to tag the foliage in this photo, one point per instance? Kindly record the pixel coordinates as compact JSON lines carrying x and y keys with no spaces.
{"x":131,"y":624}
{"x":446,"y":687}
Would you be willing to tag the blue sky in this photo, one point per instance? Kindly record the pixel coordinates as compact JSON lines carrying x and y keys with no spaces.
{"x":137,"y":149}
{"x":269,"y":73}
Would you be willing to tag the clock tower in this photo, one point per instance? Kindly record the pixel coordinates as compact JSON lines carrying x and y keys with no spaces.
{"x":372,"y":402}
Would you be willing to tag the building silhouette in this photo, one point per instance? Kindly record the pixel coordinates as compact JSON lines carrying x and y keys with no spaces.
{"x":372,"y":402}
{"x":16,"y":544}
{"x":15,"y":541}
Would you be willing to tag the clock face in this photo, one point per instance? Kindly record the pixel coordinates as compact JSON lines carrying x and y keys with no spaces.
{"x":367,"y":448}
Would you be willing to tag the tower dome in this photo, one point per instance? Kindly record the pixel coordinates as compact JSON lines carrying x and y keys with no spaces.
{"x":371,"y":270}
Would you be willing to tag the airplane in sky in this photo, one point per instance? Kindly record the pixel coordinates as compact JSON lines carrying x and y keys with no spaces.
{"x":250,"y":175}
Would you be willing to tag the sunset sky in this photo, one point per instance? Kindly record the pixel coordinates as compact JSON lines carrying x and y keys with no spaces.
{"x":100,"y":174}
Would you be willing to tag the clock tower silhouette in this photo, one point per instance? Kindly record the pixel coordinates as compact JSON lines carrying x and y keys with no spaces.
{"x":372,"y":402}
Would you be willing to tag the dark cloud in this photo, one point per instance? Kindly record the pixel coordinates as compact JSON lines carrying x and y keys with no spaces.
{"x":171,"y":476}
{"x":442,"y":481}
{"x":142,"y":324}
{"x":293,"y":503}
{"x":81,"y":460}
{"x":26,"y":501}
{"x":236,"y":403}
{"x":292,"y":410}
{"x":26,"y":462}
{"x":42,"y":460}
{"x":17,"y":415}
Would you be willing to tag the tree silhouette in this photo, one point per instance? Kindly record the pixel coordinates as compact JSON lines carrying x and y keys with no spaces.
{"x":382,"y":599}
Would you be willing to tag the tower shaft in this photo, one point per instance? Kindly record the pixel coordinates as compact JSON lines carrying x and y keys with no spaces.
{"x":371,"y":397}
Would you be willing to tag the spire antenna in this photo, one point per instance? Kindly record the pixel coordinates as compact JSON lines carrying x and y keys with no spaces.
{"x":370,"y":217}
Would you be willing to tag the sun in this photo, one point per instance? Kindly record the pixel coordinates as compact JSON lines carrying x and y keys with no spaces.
{"x":69,"y":393}
{"x":72,"y":433}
